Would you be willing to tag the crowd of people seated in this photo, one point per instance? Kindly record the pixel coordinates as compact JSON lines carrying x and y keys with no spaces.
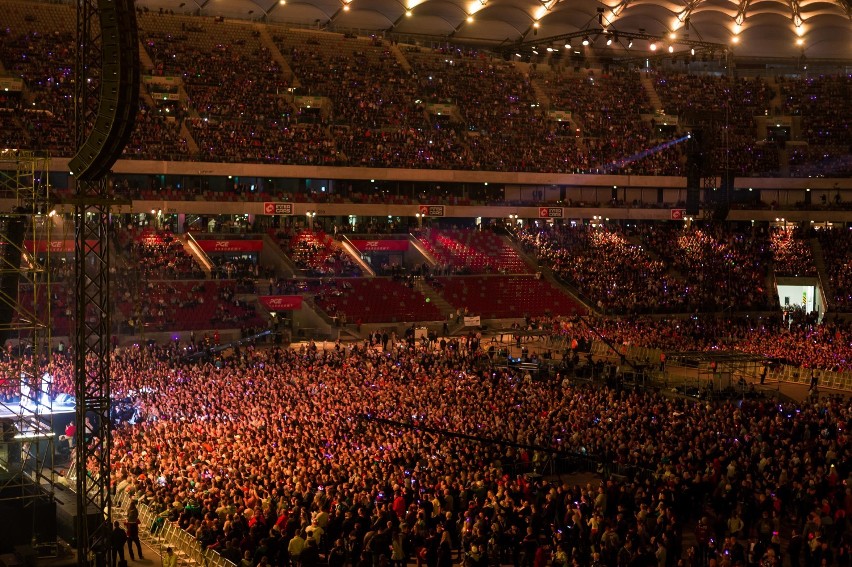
{"x":372,"y":104}
{"x":793,"y":338}
{"x":275,"y":457}
{"x":657,"y":267}
{"x":837,"y":252}
{"x":160,"y":254}
{"x":615,"y":274}
{"x":791,"y":253}
{"x":315,"y":252}
{"x":721,"y":266}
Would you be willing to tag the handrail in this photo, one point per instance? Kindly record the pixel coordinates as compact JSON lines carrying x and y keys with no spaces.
{"x":184,"y":544}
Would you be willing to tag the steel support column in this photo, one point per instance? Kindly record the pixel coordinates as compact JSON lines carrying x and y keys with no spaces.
{"x":92,"y":325}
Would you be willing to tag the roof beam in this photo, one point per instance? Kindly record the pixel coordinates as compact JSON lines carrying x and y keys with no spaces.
{"x":796,"y":16}
{"x":741,"y":12}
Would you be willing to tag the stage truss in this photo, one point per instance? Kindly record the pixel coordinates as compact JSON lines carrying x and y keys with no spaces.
{"x":27,"y":443}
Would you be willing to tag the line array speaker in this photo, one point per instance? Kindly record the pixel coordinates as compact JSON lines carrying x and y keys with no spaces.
{"x":119,"y":91}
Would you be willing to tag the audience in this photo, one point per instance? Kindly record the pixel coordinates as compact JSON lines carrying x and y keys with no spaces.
{"x":266,"y":444}
{"x":326,"y":99}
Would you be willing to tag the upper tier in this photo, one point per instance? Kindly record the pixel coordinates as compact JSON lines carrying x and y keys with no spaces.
{"x":238,"y":92}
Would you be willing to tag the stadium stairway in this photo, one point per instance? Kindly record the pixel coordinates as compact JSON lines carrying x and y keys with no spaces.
{"x":529,"y":260}
{"x":198,"y":254}
{"x":269,"y":44}
{"x":421,"y":249}
{"x":819,"y":262}
{"x":540,"y":95}
{"x":145,"y":59}
{"x":190,"y":141}
{"x":273,"y":255}
{"x":355,"y":256}
{"x":400,"y":57}
{"x":648,"y":85}
{"x":434,"y":297}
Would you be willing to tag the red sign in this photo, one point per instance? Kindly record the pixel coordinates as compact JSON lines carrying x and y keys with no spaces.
{"x":231,"y":245}
{"x":278,"y":208}
{"x":55,"y":245}
{"x":281,"y":302}
{"x":431,"y":210}
{"x":380,"y":245}
{"x":550,"y":212}
{"x":678,"y":214}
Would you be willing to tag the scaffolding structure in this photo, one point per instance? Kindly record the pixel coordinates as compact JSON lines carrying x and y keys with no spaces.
{"x":721,"y":371}
{"x":26,"y":403}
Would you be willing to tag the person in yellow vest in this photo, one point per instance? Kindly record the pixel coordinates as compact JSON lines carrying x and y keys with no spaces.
{"x":170,"y":559}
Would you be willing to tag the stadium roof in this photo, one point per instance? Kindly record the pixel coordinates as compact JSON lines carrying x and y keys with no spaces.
{"x":817,"y":29}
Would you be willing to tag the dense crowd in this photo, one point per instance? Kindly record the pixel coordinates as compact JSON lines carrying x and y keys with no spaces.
{"x":325,"y":99}
{"x":791,"y":253}
{"x":656,"y":267}
{"x":277,"y":456}
{"x":791,"y":338}
{"x":837,"y":253}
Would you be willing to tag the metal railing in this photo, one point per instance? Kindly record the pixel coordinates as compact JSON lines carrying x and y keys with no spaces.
{"x":158,"y":532}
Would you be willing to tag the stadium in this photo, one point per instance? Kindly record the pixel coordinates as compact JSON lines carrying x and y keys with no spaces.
{"x":383,"y":283}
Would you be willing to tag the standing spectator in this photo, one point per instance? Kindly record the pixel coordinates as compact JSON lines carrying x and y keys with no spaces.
{"x":132,"y":524}
{"x":117,"y":539}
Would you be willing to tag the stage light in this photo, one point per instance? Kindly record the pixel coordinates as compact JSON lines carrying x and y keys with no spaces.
{"x":586,"y":40}
{"x":671,"y":49}
{"x":653,"y":46}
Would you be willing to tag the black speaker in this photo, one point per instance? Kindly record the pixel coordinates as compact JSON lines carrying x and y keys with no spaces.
{"x":13,"y":227}
{"x":119,"y":91}
{"x":693,"y":197}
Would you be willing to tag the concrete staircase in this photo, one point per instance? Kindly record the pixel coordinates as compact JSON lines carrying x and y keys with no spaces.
{"x":190,"y":141}
{"x":434,"y":297}
{"x":269,"y":44}
{"x":400,"y":57}
{"x":200,"y":257}
{"x":541,"y":95}
{"x":547,"y":274}
{"x":417,"y":245}
{"x":355,"y":256}
{"x":145,"y":59}
{"x":648,"y":85}
{"x":819,"y":262}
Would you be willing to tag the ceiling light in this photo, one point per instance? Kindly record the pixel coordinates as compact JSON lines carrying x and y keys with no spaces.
{"x":629,"y":44}
{"x":609,"y":41}
{"x":586,"y":40}
{"x":567,"y":46}
{"x":671,"y":49}
{"x":735,"y":39}
{"x":653,"y":46}
{"x":800,"y":41}
{"x":692,"y":51}
{"x":672,"y":35}
{"x":469,"y":19}
{"x":535,"y":25}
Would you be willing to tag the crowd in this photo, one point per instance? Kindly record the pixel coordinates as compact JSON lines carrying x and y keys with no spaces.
{"x":617,"y":275}
{"x":275,"y":456}
{"x":320,"y":99}
{"x":837,"y":252}
{"x":655,"y":267}
{"x":315,"y":252}
{"x":791,"y":253}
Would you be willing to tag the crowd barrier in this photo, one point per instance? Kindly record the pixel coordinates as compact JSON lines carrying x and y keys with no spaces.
{"x":826,"y":379}
{"x":160,"y":533}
